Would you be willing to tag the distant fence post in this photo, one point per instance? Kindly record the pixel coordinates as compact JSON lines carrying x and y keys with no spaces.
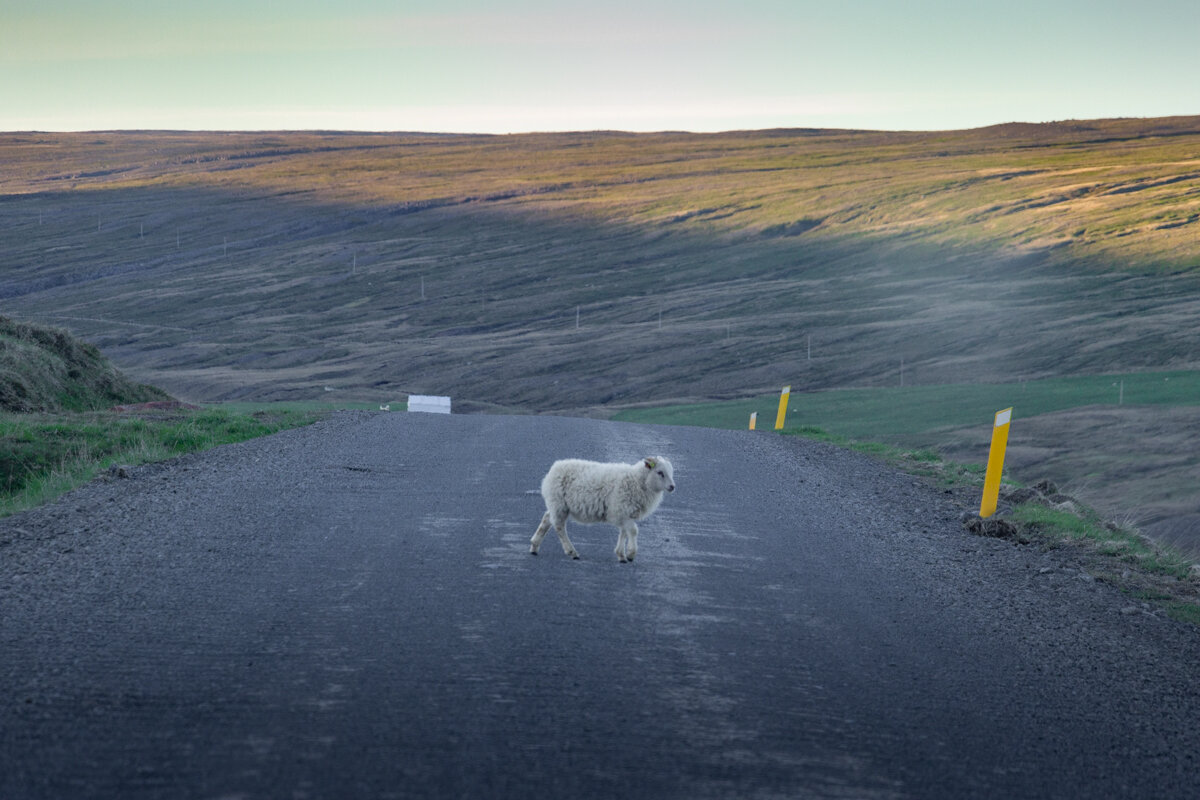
{"x":995,"y":465}
{"x":783,"y":401}
{"x":753,"y":419}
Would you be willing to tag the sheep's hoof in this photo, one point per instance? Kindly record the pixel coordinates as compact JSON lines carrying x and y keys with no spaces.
{"x":533,"y":552}
{"x":575,"y":556}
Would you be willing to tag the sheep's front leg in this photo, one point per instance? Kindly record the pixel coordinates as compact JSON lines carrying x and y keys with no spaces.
{"x":631,"y":541}
{"x":627,"y":541}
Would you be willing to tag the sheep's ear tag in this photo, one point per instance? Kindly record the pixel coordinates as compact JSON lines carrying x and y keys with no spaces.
{"x":649,"y":463}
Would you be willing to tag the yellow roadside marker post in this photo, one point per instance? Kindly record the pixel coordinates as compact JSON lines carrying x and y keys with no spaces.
{"x":995,"y":465}
{"x":783,"y":401}
{"x":753,"y":419}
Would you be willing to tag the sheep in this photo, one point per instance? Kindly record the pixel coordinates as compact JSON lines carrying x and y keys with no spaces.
{"x":589,"y":491}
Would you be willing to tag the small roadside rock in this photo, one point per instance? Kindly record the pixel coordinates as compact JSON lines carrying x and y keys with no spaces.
{"x":1046,"y":486}
{"x":1045,"y":492}
{"x":1023,"y":495}
{"x":120,"y":471}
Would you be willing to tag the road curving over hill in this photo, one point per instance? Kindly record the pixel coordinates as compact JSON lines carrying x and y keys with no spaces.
{"x":350,"y":610}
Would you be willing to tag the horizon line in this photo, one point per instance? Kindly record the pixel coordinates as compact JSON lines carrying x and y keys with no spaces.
{"x":570,"y":131}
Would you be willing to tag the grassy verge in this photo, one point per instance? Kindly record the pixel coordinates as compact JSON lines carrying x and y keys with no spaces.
{"x":45,"y":455}
{"x":1116,"y":554}
{"x":1107,"y":538}
{"x":923,"y":462}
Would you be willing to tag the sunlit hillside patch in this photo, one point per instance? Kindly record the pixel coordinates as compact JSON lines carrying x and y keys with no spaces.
{"x":1118,"y":190}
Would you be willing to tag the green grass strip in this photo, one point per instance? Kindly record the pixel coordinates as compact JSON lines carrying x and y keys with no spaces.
{"x":885,"y":413}
{"x":1108,"y":540}
{"x":45,"y":455}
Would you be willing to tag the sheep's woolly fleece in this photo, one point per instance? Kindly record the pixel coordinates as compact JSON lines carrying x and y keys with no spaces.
{"x":590,"y":491}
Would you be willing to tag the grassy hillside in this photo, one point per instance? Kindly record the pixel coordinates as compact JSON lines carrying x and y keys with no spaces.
{"x":272,"y":266}
{"x":48,"y":369}
{"x":1120,"y":192}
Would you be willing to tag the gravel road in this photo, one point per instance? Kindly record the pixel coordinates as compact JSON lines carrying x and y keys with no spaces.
{"x":350,"y":610}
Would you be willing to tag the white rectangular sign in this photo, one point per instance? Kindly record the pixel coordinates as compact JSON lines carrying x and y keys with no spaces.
{"x":432,"y":404}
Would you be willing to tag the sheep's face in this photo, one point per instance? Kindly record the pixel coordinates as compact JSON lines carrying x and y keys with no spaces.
{"x":659,"y":476}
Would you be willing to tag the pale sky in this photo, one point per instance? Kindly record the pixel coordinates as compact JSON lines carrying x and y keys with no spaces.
{"x":501,"y":66}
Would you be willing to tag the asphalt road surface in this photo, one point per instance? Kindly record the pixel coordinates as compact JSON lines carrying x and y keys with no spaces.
{"x":350,"y":610}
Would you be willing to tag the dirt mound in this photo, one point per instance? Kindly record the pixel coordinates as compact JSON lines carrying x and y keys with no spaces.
{"x":996,"y":528}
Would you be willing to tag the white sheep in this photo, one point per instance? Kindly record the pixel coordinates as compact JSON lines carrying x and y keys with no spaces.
{"x":589,"y":491}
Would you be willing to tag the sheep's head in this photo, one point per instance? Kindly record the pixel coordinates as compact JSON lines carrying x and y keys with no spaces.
{"x":659,"y":475}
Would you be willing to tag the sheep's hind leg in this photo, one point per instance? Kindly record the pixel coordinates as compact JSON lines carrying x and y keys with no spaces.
{"x":539,"y":534}
{"x":560,"y":527}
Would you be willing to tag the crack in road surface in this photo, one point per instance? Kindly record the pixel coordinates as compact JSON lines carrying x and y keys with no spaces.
{"x":350,"y":609}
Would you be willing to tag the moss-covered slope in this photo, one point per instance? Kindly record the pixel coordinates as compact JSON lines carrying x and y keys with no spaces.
{"x":48,"y":369}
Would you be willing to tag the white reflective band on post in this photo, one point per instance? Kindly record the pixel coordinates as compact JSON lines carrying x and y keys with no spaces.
{"x":1003,"y":417}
